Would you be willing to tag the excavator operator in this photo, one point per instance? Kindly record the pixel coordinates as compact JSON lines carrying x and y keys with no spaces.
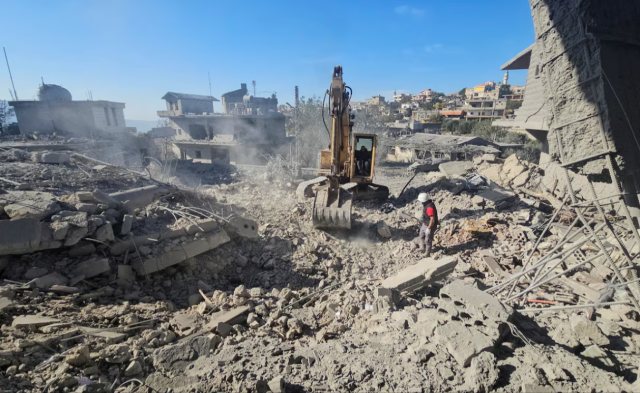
{"x":363,"y":161}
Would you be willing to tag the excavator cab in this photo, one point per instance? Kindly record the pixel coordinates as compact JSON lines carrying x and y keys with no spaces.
{"x":363,"y":157}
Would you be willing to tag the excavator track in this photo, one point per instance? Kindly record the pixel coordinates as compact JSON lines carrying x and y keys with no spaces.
{"x":332,"y":208}
{"x":365,"y":192}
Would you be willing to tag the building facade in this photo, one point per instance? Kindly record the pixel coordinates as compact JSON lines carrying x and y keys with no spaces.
{"x":56,"y":112}
{"x":485,"y":108}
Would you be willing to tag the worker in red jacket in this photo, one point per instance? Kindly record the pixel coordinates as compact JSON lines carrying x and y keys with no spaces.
{"x":429,"y":222}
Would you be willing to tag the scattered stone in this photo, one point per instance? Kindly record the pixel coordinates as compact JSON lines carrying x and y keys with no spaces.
{"x":586,"y":331}
{"x":46,"y":282}
{"x":79,"y":356}
{"x":40,"y":210}
{"x":177,"y":357}
{"x":105,"y":233}
{"x":384,"y":230}
{"x":134,"y":368}
{"x":277,"y":385}
{"x":242,"y":292}
{"x":104,"y":198}
{"x":117,"y":353}
{"x":127,"y":221}
{"x":483,"y":373}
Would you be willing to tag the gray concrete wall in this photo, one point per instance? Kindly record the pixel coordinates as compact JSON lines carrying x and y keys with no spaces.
{"x":75,"y":118}
{"x":589,"y":60}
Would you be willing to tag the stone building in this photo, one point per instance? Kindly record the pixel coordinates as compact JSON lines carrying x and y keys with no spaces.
{"x":55,"y":112}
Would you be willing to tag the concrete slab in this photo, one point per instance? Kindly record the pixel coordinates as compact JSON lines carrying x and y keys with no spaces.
{"x":19,"y":236}
{"x":417,"y":276}
{"x":497,"y":194}
{"x":476,"y":301}
{"x":32,"y":208}
{"x":455,"y":168}
{"x":91,"y":268}
{"x":231,"y":317}
{"x":139,"y":197}
{"x":32,"y":321}
{"x":46,"y":282}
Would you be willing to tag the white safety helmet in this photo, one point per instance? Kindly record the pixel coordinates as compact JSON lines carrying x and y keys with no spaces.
{"x":423,"y":197}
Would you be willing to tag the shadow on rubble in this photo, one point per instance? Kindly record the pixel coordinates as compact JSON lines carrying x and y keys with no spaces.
{"x":273,"y":266}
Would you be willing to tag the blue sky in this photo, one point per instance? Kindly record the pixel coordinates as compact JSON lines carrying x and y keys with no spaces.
{"x":134,"y":51}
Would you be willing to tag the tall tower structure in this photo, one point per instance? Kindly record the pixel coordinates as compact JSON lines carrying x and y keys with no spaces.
{"x":505,"y":80}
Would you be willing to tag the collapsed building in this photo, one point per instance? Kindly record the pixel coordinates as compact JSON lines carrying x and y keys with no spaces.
{"x":450,"y":147}
{"x":249,"y":129}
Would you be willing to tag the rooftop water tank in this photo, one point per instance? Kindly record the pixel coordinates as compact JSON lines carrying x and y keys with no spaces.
{"x":53,"y":93}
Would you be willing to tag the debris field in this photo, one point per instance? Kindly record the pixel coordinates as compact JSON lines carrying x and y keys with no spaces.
{"x":116,"y":281}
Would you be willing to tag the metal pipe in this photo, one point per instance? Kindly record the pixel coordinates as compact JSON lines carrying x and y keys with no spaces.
{"x":539,"y":284}
{"x":564,"y":201}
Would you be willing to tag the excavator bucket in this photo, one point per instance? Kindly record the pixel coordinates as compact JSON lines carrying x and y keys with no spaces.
{"x":332,"y":208}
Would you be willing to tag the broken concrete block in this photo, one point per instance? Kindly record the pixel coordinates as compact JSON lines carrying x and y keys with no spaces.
{"x":596,"y":353}
{"x":134,"y":368}
{"x":152,"y":265}
{"x":53,"y":157}
{"x":74,"y":235}
{"x":461,"y":342}
{"x":483,"y":374}
{"x":586,"y":331}
{"x":104,"y":233}
{"x":137,"y":197}
{"x":455,"y":168}
{"x":196,"y":248}
{"x":89,"y":208}
{"x":46,"y":282}
{"x":421,"y":274}
{"x":5,"y":304}
{"x":19,"y":236}
{"x":230,"y":317}
{"x":109,"y":337}
{"x":127,"y":221}
{"x":85,"y":196}
{"x":82,"y":249}
{"x":224,"y":329}
{"x":32,"y":321}
{"x":496,"y":195}
{"x":477,"y":303}
{"x":91,"y":268}
{"x":277,"y":385}
{"x":383,"y":229}
{"x":35,"y":272}
{"x":60,"y":229}
{"x":521,"y":179}
{"x":125,"y":272}
{"x":535,"y":388}
{"x":102,"y":197}
{"x":79,"y":356}
{"x":39,"y":210}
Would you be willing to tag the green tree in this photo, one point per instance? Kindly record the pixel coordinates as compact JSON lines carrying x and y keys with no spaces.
{"x":463,"y":92}
{"x":435,"y":118}
{"x":504,"y":90}
{"x":514,"y":104}
{"x":426,"y":105}
{"x":395,"y":105}
{"x":408,"y":112}
{"x":405,"y":99}
{"x":398,"y":116}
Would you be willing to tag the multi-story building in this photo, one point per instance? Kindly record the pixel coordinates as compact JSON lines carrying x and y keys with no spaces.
{"x":247,"y":131}
{"x":400,"y":97}
{"x":425,"y":96}
{"x":375,"y":101}
{"x":485,"y":108}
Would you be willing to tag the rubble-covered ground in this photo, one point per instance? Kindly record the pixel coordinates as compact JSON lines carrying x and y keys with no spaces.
{"x":124,"y":283}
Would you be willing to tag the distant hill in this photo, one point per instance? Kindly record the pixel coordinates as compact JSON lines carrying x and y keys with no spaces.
{"x":142,"y":125}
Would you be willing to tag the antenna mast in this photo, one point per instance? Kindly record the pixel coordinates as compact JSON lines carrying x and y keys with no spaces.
{"x":10,"y":76}
{"x":209,"y":75}
{"x":254,"y":87}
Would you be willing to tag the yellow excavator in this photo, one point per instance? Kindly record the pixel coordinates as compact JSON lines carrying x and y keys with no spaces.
{"x":348,"y":164}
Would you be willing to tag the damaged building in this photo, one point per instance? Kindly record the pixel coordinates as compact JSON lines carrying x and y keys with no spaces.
{"x":248,"y":129}
{"x":55,"y":112}
{"x":421,"y":146}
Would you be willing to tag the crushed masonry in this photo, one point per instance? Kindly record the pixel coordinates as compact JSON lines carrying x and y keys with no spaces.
{"x":226,"y":287}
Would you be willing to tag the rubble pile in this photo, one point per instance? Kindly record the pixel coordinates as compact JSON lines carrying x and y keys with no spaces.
{"x":141,"y":286}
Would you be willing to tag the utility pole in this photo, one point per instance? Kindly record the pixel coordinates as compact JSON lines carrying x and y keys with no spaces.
{"x":10,"y":76}
{"x":209,"y":75}
{"x":254,"y":87}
